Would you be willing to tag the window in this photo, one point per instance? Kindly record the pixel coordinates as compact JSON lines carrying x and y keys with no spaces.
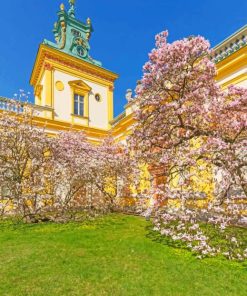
{"x":75,"y":33}
{"x":79,"y":102}
{"x":78,"y":105}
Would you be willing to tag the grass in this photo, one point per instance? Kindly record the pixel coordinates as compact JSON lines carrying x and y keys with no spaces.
{"x":115,"y":255}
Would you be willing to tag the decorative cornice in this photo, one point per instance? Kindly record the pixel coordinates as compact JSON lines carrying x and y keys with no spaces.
{"x":79,"y":84}
{"x":230,"y":45}
{"x":48,"y":67}
{"x":49,"y":55}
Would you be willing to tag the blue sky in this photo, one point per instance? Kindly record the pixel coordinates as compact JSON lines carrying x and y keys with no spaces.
{"x":123,"y":33}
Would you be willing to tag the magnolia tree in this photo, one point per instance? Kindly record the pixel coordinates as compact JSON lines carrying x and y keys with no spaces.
{"x":56,"y":177}
{"x":24,"y":162}
{"x":192,"y":133}
{"x":71,"y":160}
{"x":85,"y":175}
{"x":112,"y":170}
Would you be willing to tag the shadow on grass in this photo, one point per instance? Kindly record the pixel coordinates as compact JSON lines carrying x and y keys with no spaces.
{"x":100,"y":222}
{"x":156,"y":237}
{"x":164,"y":240}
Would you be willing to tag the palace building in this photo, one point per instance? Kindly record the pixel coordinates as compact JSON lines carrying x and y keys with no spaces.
{"x":74,"y":91}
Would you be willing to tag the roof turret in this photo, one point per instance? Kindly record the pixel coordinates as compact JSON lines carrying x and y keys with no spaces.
{"x":72,"y":35}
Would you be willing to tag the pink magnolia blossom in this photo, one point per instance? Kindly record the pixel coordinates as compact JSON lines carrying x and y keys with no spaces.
{"x":193,"y":134}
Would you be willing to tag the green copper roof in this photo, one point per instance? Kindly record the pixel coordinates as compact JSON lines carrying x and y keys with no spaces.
{"x":71,"y":35}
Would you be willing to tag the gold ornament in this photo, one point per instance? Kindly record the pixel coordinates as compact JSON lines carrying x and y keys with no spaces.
{"x":63,"y":38}
{"x":62,"y":7}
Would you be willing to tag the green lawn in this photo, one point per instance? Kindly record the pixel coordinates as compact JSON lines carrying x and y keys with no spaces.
{"x":114,"y":256}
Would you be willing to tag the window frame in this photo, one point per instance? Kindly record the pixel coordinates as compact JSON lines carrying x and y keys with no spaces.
{"x":78,"y":103}
{"x":80,"y":88}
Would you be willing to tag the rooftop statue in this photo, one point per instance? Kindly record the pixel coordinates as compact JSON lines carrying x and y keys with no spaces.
{"x":128,"y":95}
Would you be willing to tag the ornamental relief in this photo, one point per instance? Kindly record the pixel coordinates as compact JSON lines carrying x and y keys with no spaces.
{"x":61,"y":37}
{"x":46,"y":59}
{"x":80,"y":47}
{"x":59,"y":85}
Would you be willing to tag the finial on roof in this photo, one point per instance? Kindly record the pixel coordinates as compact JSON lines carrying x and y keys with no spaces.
{"x":62,"y":7}
{"x":71,"y":11}
{"x":72,"y":2}
{"x":88,"y":21}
